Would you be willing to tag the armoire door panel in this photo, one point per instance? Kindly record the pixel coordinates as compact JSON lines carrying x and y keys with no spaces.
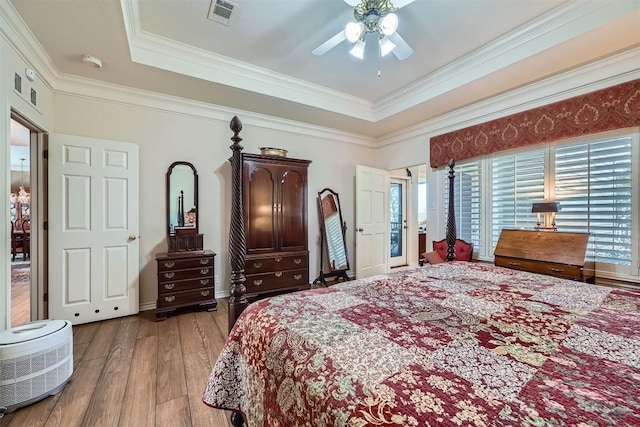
{"x":293,"y":209}
{"x":260,"y":216}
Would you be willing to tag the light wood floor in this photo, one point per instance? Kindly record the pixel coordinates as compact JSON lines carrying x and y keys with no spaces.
{"x":135,"y":372}
{"x":20,"y":303}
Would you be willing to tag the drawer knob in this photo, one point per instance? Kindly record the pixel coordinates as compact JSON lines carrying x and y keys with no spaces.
{"x":278,"y":259}
{"x":204,"y":281}
{"x":169,"y":275}
{"x":204,"y":271}
{"x":169,"y":285}
{"x":297,"y":276}
{"x":257,"y":264}
{"x":169,"y":264}
{"x":204,"y":261}
{"x":170,"y":298}
{"x":556,"y":270}
{"x":297,"y":261}
{"x":204,"y":293}
{"x":515,"y":264}
{"x":257,"y":282}
{"x":278,"y":273}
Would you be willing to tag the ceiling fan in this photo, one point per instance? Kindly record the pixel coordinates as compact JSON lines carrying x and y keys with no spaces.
{"x":371,"y":16}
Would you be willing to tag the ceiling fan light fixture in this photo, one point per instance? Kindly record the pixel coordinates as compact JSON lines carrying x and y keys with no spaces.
{"x":386,"y":46}
{"x":389,"y":24}
{"x":353,"y":30}
{"x":358,"y":49}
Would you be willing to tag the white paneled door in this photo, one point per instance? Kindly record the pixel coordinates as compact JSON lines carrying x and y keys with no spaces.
{"x":372,"y":221}
{"x":93,"y":228}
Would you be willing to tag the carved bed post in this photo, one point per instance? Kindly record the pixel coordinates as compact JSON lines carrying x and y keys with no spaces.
{"x":451,"y":215}
{"x":237,"y":244}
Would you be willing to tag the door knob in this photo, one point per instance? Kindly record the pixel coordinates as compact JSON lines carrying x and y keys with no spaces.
{"x":360,"y":229}
{"x":132,"y":237}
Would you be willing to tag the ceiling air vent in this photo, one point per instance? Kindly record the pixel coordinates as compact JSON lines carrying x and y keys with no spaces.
{"x":222,"y":11}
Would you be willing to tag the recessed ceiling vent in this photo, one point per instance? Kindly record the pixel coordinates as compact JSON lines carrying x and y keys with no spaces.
{"x":222,"y":11}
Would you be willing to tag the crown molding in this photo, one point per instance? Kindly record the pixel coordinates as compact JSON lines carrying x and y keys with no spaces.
{"x":81,"y":87}
{"x":18,"y":35}
{"x":569,"y":20}
{"x":160,"y":52}
{"x":21,"y":39}
{"x":557,"y":26}
{"x":599,"y":75}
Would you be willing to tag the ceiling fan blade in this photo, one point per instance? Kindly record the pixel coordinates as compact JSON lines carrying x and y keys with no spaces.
{"x":330,"y":44}
{"x":402,"y":50}
{"x":398,"y":3}
{"x":354,"y":3}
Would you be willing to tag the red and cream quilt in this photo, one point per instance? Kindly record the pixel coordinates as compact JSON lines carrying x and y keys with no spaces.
{"x":454,"y":344}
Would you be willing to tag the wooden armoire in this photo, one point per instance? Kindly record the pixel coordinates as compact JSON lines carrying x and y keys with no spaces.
{"x":274,"y":191}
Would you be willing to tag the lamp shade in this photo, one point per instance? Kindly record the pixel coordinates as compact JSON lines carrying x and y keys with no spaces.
{"x":545,"y":207}
{"x":358,"y":49}
{"x":389,"y":24}
{"x":353,"y":30}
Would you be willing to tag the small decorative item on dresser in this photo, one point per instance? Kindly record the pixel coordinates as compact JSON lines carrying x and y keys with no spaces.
{"x":270,"y":151}
{"x":185,"y":279}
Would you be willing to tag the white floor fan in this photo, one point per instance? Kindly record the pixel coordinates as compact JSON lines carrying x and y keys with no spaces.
{"x":371,"y":16}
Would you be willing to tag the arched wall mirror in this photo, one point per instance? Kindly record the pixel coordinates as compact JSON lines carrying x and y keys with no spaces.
{"x":182,"y":199}
{"x":334,"y":261}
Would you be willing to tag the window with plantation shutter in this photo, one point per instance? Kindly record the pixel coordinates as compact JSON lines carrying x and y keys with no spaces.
{"x":517,"y":181}
{"x":593,"y":187}
{"x":595,"y":181}
{"x":467,"y":202}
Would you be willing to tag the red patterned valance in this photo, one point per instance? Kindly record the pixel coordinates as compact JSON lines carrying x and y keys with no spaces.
{"x":607,"y":109}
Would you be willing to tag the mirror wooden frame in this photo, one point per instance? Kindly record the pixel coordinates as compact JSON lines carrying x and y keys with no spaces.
{"x":171,"y":230}
{"x":329,"y":206}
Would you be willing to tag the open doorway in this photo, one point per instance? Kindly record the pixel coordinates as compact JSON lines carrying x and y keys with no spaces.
{"x":20,"y":215}
{"x":408,"y":215}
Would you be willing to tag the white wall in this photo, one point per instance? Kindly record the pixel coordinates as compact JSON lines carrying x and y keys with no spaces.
{"x":166,"y":136}
{"x":11,"y":62}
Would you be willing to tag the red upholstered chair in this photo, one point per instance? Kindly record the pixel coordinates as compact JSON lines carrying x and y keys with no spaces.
{"x":463,"y":250}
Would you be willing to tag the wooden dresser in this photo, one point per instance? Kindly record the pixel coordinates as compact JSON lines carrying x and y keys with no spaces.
{"x":546,"y":252}
{"x":274,"y":191}
{"x":185,"y":279}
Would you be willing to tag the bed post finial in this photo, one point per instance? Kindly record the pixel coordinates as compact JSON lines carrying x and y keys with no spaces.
{"x":451,"y":215}
{"x":237,"y":244}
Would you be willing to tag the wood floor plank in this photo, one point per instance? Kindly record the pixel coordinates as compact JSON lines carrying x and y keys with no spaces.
{"x":212,"y":338}
{"x":148,"y":325}
{"x":174,"y":413}
{"x":139,"y":405}
{"x":197,"y":370}
{"x":171,"y":381}
{"x":70,"y":407}
{"x":102,"y":340}
{"x":106,"y":403}
{"x":84,"y":333}
{"x":190,"y":334}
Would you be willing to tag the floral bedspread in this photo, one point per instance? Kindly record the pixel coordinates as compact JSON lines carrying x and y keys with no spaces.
{"x":452,"y":344}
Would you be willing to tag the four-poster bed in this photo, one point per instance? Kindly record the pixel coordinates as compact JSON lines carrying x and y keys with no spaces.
{"x":455,"y":343}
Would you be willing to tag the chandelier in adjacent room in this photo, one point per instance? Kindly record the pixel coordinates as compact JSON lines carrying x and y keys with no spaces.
{"x":23,"y":196}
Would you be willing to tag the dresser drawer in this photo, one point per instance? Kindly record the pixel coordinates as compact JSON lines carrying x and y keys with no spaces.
{"x":181,"y":264}
{"x":184,"y":285}
{"x":193,"y":273}
{"x":276,"y":280}
{"x":177,"y":299}
{"x":572,"y":272}
{"x":276,"y":263}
